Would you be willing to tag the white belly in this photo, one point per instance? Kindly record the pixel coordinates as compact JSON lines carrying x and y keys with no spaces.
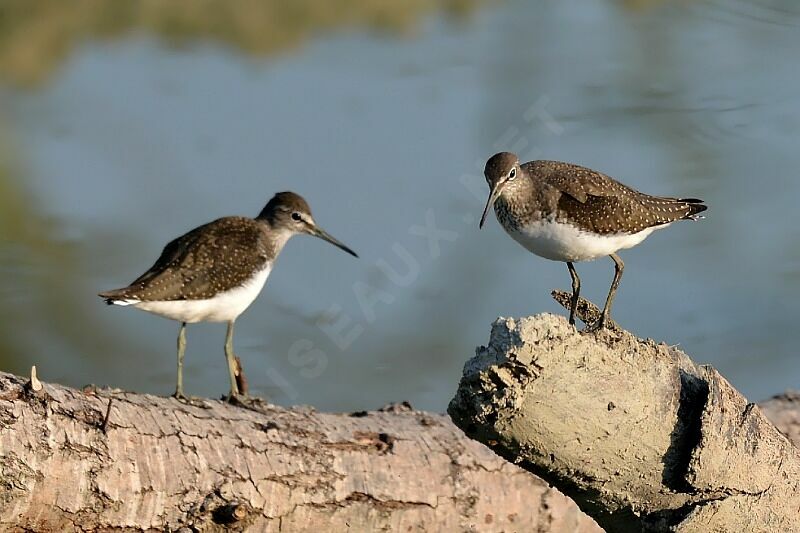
{"x":565,"y":242}
{"x":223,"y":307}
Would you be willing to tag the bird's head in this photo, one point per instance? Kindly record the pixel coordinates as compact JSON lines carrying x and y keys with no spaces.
{"x":289,"y":212}
{"x":502,"y":173}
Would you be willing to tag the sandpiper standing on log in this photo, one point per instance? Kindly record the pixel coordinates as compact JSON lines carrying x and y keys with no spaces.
{"x":569,"y":213}
{"x":214,"y":272}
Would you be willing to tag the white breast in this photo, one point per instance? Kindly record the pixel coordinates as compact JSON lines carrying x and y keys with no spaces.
{"x":565,"y":242}
{"x":224,"y":307}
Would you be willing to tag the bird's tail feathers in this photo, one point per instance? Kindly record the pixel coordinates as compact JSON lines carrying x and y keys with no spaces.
{"x":117,"y":297}
{"x":695,"y":206}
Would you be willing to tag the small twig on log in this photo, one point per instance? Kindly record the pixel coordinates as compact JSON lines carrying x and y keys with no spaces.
{"x":241,"y":380}
{"x":104,"y":427}
{"x":34,"y":384}
{"x":33,"y":388}
{"x":586,"y":311}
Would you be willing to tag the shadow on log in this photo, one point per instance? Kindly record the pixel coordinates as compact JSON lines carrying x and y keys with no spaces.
{"x":76,"y":460}
{"x":634,"y":431}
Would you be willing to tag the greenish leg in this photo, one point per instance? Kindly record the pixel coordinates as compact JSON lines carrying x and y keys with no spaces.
{"x":605,"y":316}
{"x":181,"y":353}
{"x":231,"y":362}
{"x":576,"y":292}
{"x":619,"y":266}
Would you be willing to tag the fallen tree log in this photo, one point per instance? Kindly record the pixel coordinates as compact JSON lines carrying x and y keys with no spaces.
{"x":640,"y":436}
{"x":100,"y":459}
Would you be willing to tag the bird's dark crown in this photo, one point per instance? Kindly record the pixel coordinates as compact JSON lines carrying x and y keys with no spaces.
{"x":282,"y":205}
{"x":498,"y":167}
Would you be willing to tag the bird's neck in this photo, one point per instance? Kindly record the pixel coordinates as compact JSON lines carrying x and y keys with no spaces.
{"x":516,"y":203}
{"x":275,"y":237}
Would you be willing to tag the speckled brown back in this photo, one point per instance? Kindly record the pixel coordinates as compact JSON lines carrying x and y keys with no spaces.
{"x":210,"y":259}
{"x":597,"y":203}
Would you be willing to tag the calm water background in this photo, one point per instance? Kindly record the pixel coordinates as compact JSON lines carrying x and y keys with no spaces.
{"x":121,"y":130}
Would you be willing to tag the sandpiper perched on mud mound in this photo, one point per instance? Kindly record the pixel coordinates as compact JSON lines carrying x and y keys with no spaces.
{"x":569,"y":213}
{"x":214,"y":272}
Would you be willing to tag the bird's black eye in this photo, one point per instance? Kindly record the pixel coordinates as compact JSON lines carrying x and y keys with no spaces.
{"x":296,"y":216}
{"x":512,"y":174}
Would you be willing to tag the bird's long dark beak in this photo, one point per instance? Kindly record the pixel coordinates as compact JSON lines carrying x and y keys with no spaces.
{"x":325,"y":236}
{"x":490,"y":202}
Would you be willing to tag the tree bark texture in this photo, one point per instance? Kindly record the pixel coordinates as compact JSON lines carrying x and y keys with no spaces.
{"x":633,"y":430}
{"x":108,"y":460}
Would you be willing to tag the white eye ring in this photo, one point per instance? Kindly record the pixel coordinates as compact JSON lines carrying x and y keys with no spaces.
{"x":512,"y":174}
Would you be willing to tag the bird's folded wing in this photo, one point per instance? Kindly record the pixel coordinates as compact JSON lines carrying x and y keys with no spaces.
{"x":172,"y":255}
{"x":213,"y":258}
{"x":580,"y":182}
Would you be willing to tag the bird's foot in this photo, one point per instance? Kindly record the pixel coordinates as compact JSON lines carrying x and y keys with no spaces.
{"x":587,"y":312}
{"x":596,"y":326}
{"x":189,"y":400}
{"x":253,"y":403}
